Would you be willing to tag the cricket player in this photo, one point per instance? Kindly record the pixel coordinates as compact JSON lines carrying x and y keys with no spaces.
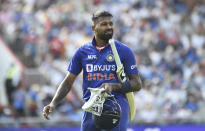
{"x":96,"y":60}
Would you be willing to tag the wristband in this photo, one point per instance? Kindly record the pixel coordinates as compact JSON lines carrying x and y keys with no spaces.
{"x":126,"y":87}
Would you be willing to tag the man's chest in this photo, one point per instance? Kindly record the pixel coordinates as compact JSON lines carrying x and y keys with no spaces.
{"x":95,"y":61}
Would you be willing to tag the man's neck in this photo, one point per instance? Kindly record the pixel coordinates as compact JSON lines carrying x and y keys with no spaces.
{"x":100,"y":43}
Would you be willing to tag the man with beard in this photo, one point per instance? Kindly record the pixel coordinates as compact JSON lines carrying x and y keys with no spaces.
{"x":96,"y":60}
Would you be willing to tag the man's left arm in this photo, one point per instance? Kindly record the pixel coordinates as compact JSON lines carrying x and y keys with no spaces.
{"x":134,"y":81}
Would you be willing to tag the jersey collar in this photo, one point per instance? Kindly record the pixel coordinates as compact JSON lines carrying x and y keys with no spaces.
{"x":94,"y":44}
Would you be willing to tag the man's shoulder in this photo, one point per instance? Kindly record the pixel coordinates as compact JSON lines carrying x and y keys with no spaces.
{"x":86,"y":45}
{"x":121,"y":45}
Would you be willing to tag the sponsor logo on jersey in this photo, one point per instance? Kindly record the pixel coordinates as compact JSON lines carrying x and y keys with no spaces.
{"x":89,"y":67}
{"x":93,"y":68}
{"x":133,"y":66}
{"x":91,"y":57}
{"x":110,"y":58}
{"x":100,"y":76}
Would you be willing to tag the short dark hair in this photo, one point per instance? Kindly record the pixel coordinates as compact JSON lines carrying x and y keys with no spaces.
{"x":100,"y":13}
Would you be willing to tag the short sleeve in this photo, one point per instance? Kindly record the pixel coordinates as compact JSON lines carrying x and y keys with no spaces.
{"x":129,"y":61}
{"x":75,"y":65}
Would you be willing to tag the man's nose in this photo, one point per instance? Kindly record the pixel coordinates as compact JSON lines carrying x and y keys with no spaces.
{"x":110,"y":28}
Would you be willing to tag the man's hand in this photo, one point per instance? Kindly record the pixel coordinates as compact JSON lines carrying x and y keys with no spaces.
{"x":107,"y":87}
{"x":47,"y":110}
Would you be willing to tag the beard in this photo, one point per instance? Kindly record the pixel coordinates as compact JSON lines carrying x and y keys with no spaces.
{"x":106,"y":35}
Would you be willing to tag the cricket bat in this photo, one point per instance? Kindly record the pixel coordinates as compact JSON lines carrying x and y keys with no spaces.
{"x":122,"y":78}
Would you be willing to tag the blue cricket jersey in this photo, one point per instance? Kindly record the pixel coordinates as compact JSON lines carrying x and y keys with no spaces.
{"x":99,"y":65}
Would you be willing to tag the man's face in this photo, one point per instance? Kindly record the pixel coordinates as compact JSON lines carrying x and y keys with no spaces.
{"x":103,"y":28}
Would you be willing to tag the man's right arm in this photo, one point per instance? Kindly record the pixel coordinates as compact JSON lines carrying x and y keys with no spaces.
{"x":61,"y":92}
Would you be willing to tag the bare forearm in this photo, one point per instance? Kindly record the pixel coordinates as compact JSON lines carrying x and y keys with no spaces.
{"x":135,"y":84}
{"x":116,"y":86}
{"x":61,"y":92}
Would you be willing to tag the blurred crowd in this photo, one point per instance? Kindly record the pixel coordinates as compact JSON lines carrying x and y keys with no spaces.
{"x":167,"y":37}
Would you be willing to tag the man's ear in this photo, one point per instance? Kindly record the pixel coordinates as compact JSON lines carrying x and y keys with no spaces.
{"x":93,"y":27}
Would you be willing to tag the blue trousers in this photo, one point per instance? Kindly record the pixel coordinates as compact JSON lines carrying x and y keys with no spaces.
{"x":88,"y":125}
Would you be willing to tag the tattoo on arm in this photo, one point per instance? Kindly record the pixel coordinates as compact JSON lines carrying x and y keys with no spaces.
{"x":63,"y":88}
{"x":116,"y":87}
{"x":135,"y":82}
{"x":61,"y":92}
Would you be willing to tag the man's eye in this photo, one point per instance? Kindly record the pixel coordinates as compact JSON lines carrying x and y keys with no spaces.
{"x":105,"y":24}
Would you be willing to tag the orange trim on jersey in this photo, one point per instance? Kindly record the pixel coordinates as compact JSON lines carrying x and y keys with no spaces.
{"x":101,"y":48}
{"x":98,"y":49}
